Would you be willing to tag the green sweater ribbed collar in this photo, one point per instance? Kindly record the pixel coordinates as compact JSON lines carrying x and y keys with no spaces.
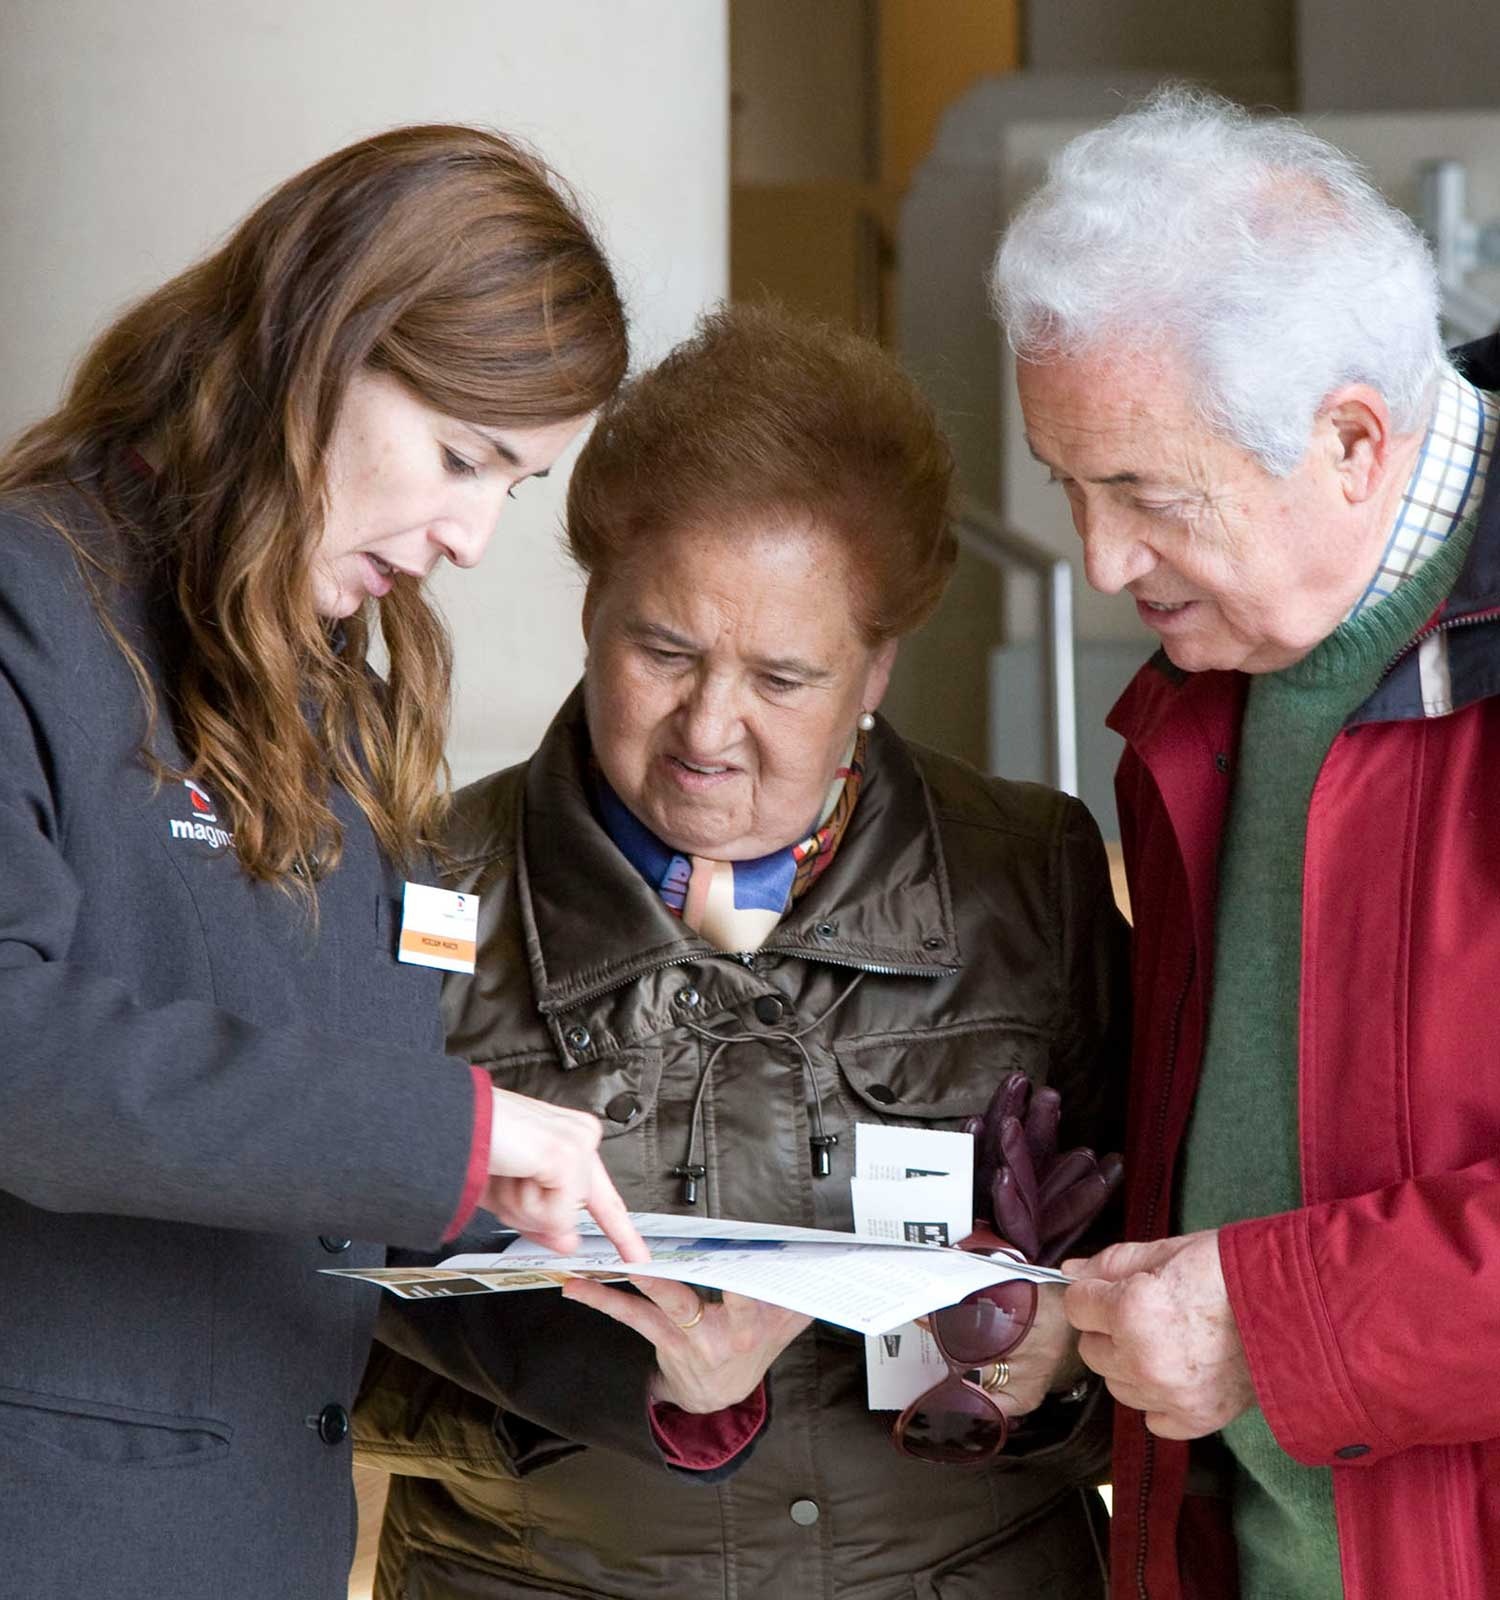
{"x":1368,"y":642}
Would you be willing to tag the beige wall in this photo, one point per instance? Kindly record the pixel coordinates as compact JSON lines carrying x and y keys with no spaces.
{"x":135,"y":135}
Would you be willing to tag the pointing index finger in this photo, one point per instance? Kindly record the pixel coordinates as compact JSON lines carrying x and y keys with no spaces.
{"x":607,"y":1209}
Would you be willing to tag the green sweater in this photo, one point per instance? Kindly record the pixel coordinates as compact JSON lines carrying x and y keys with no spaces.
{"x":1241,"y":1155}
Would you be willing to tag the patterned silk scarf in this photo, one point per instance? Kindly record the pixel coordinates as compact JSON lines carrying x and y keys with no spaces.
{"x":735,"y":905}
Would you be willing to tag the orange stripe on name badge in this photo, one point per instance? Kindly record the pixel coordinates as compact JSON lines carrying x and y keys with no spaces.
{"x":416,"y":943}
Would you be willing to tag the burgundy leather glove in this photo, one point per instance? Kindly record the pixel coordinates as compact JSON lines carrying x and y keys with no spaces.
{"x":1041,"y":1201}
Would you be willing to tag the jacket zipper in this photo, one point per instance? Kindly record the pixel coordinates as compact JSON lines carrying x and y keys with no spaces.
{"x":618,"y":983}
{"x":1447,"y":626}
{"x":862,"y":966}
{"x":1158,"y":1132}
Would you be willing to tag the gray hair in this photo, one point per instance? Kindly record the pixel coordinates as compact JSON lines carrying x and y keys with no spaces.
{"x":1257,"y":251}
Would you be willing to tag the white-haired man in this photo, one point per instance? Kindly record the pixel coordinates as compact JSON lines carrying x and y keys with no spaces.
{"x":1229,"y":360}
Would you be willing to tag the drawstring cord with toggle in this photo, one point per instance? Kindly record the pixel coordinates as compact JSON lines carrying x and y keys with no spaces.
{"x":820,"y":1142}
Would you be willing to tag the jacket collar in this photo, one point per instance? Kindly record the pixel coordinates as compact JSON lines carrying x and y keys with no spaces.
{"x":593,"y":924}
{"x":1461,"y":664}
{"x":1184,"y":728}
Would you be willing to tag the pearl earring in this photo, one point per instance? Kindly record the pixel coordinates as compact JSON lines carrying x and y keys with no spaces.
{"x":866,"y":721}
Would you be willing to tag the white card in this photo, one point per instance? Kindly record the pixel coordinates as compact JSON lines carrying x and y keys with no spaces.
{"x":439,"y":928}
{"x":888,"y":1150}
{"x":900,"y":1365}
{"x":913,"y":1185}
{"x":913,"y":1210}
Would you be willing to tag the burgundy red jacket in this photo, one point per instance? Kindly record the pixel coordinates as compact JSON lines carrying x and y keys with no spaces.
{"x":1371,"y":1315}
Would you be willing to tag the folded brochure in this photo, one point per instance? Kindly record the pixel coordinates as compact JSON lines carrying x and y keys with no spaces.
{"x":870,"y":1285}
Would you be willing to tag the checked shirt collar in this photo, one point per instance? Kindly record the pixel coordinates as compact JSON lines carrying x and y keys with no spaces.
{"x":1446,"y":484}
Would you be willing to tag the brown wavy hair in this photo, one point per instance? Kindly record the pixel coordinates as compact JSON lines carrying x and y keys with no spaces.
{"x":764,"y":416}
{"x":447,"y":257}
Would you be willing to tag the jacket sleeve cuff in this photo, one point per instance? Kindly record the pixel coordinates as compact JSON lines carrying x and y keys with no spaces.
{"x":1300,"y":1379}
{"x":479,"y":1156}
{"x":707,"y":1442}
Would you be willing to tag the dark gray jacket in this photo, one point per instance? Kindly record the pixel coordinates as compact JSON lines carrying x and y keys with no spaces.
{"x":202,"y":1098}
{"x":977,"y":917}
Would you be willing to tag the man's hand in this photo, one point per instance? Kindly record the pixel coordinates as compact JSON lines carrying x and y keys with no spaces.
{"x":1155,"y":1323}
{"x":708,"y":1355}
{"x":545,"y":1169}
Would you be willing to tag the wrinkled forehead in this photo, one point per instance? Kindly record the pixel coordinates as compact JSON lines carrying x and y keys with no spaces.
{"x":1106,"y":401}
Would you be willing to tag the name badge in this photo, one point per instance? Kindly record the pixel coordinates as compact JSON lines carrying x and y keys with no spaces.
{"x":439,"y":928}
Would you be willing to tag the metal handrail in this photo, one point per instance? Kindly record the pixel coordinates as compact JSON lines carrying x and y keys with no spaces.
{"x":979,"y":530}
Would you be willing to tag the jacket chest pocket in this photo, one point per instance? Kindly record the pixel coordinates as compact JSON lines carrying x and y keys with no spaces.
{"x":936,"y":1077}
{"x":621,"y":1091}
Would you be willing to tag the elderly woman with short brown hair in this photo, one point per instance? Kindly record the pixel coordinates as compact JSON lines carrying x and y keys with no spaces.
{"x":729,"y":910}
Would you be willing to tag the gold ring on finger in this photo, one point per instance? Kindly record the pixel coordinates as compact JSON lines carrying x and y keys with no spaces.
{"x":998,"y":1377}
{"x":694,"y":1320}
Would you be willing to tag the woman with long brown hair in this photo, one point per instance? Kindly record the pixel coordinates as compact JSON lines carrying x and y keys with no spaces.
{"x":217,"y":1072}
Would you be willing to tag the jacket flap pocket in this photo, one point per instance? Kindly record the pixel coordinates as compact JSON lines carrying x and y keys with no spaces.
{"x":946,"y":1073}
{"x":619,"y":1089}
